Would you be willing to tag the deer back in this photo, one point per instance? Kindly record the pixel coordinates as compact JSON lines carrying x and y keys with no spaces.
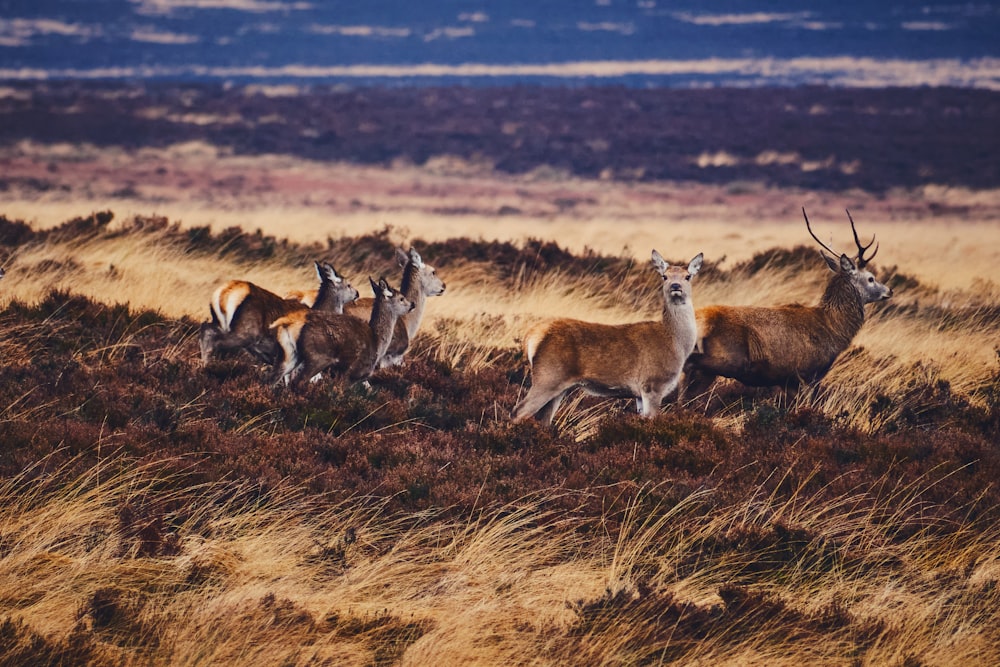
{"x":336,"y":341}
{"x":601,"y":354}
{"x":242,"y":305}
{"x":767,"y":346}
{"x":641,"y":360}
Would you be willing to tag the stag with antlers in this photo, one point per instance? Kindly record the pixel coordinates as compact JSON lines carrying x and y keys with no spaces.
{"x":791,"y":344}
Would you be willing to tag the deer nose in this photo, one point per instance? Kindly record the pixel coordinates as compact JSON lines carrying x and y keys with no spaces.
{"x":675,"y":287}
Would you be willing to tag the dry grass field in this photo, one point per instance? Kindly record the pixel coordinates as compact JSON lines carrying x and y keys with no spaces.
{"x":157,"y":512}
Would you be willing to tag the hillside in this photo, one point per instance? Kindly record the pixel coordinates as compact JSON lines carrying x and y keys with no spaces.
{"x":158,"y":512}
{"x":827,"y":139}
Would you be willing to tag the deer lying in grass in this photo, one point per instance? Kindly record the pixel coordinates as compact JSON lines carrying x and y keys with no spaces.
{"x":791,"y":344}
{"x":420,"y":281}
{"x":346,"y":346}
{"x":641,"y":360}
{"x":242,"y":313}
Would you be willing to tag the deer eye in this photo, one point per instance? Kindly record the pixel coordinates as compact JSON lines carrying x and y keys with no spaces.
{"x":687,"y":277}
{"x":870,"y":279}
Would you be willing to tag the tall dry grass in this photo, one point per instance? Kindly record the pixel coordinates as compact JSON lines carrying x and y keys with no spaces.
{"x":925,"y":334}
{"x":222,"y":573}
{"x":292,"y":580}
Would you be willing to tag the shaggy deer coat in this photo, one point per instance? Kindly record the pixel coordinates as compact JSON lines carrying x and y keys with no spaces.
{"x":785,"y":345}
{"x":340,"y":344}
{"x":642,"y":360}
{"x":242,"y":313}
{"x":420,"y":281}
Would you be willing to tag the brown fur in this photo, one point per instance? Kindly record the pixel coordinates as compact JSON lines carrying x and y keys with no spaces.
{"x":782,"y":345}
{"x":345,"y":346}
{"x":641,"y":360}
{"x":419,"y":282}
{"x":243,"y":313}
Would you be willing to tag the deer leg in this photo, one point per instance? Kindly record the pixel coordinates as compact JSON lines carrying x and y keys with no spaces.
{"x":548,"y":410}
{"x":537,"y":399}
{"x":283,"y":372}
{"x":695,"y":383}
{"x":212,"y":340}
{"x":653,"y":394}
{"x":206,"y":340}
{"x":307,"y":368}
{"x":650,"y":401}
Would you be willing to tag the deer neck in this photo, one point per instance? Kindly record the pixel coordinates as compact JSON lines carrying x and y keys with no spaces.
{"x":844,"y":307}
{"x":679,"y":321}
{"x":382,"y":323}
{"x":326,"y":301}
{"x":413,"y":289}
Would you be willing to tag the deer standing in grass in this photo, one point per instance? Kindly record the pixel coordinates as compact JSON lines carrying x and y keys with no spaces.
{"x":346,"y":346}
{"x":420,"y":281}
{"x":642,"y":360}
{"x":242,"y":313}
{"x":791,"y":344}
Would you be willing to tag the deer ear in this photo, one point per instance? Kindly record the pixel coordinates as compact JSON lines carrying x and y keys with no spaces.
{"x":332,"y":274}
{"x":846,"y":265}
{"x":830,"y":262}
{"x":384,"y":286}
{"x":375,"y":287}
{"x":415,"y":258}
{"x":401,"y":257}
{"x":695,"y":264}
{"x":659,"y":263}
{"x":319,"y":270}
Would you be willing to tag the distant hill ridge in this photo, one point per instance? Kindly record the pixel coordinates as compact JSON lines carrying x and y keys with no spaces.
{"x":810,"y":137}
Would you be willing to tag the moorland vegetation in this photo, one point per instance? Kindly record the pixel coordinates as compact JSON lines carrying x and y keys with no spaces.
{"x":155,"y":511}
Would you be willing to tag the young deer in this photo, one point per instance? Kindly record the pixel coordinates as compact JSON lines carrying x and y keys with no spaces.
{"x":791,"y":344}
{"x":420,"y":281}
{"x":346,"y":345}
{"x":242,"y":313}
{"x":641,"y":360}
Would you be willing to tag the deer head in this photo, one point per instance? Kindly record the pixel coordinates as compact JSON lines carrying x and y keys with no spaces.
{"x":863,"y":280}
{"x":334,"y":286}
{"x":676,"y":279}
{"x":429,"y":283}
{"x":390,"y":298}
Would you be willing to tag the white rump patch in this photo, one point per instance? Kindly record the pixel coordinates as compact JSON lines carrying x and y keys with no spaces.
{"x":533,"y":340}
{"x":234,"y":296}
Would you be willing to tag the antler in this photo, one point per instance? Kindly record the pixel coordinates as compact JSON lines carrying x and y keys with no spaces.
{"x":862,"y":262}
{"x":825,"y":246}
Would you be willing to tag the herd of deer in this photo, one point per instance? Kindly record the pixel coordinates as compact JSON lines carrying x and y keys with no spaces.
{"x":303,"y":335}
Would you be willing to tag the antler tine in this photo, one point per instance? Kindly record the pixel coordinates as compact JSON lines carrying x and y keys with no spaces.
{"x":861,"y":249}
{"x":825,"y":246}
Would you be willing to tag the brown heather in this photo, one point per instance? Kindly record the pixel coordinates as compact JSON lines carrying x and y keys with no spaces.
{"x":156,"y":512}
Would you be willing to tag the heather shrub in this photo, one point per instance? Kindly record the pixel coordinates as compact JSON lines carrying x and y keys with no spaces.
{"x":715,"y":519}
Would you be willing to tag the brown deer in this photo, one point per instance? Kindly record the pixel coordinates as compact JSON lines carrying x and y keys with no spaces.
{"x":344,"y":345}
{"x":791,"y":344}
{"x":420,"y":281}
{"x":242,"y":313}
{"x":641,"y":360}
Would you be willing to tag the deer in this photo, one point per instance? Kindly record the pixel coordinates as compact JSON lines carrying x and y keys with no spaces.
{"x":791,"y":344}
{"x":420,"y":280}
{"x":242,"y":313}
{"x":346,"y":346}
{"x":641,"y":360}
